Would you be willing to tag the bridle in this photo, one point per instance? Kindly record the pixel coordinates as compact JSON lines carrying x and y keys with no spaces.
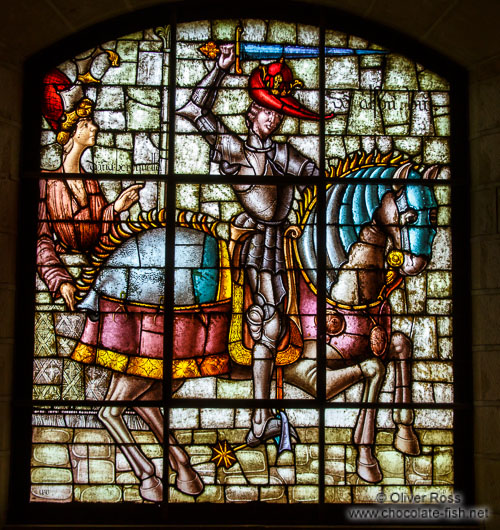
{"x":403,"y":207}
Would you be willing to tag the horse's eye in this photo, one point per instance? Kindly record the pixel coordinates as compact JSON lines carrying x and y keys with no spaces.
{"x":410,"y":217}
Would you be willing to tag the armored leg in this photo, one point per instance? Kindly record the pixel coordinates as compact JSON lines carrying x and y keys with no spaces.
{"x":264,"y":321}
{"x":263,"y":364}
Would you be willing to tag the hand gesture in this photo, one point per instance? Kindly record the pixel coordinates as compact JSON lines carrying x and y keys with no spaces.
{"x":68,"y":291}
{"x":127,"y":198}
{"x":227,"y":56}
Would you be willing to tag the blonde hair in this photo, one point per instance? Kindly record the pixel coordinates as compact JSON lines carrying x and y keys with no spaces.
{"x":82,"y":110}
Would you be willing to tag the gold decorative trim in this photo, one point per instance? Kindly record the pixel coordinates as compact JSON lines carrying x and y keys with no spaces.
{"x":243,"y":355}
{"x":150,"y":368}
{"x":237,"y":350}
{"x":113,"y":57}
{"x":185,"y":368}
{"x":146,"y":367}
{"x":210,"y":50}
{"x":225,"y":281}
{"x":237,"y":41}
{"x":84,"y":353}
{"x":395,"y":258}
{"x":110,"y":359}
{"x":87,"y":78}
{"x":363,"y":161}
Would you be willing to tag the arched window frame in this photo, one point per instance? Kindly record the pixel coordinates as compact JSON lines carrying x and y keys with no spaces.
{"x":173,"y":13}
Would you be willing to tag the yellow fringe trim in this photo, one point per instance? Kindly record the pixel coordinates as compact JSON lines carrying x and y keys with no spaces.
{"x":212,"y":365}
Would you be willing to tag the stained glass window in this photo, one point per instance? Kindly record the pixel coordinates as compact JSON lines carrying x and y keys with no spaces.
{"x":243,"y":284}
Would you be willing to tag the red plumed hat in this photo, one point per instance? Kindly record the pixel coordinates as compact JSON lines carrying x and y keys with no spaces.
{"x":271,"y":87}
{"x":52,"y":104}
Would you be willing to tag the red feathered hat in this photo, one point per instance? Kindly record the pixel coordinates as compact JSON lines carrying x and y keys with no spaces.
{"x":271,"y":87}
{"x":52,"y":104}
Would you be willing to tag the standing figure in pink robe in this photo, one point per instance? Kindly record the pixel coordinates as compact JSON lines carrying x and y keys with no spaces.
{"x":74,"y":216}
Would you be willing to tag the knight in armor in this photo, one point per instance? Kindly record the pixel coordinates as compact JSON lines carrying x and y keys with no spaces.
{"x":266,"y":207}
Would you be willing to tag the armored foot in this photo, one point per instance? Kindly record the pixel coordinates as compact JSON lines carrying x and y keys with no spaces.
{"x":271,"y":430}
{"x":406,"y":440}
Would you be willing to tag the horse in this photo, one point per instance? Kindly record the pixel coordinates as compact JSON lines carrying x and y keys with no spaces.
{"x":123,"y":298}
{"x":377,"y":234}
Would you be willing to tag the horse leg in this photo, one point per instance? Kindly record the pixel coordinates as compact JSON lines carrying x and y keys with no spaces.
{"x":405,"y":439}
{"x":126,"y":387}
{"x":304,"y":375}
{"x":367,"y":465}
{"x":188,"y":481}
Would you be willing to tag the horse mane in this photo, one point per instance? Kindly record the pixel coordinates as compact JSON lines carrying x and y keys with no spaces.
{"x":351,"y":203}
{"x":345,"y":167}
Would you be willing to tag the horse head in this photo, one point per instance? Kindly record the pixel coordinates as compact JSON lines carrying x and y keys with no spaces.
{"x":378,"y":200}
{"x":409,"y":213}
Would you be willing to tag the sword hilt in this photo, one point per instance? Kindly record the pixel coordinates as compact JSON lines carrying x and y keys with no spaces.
{"x":237,"y":37}
{"x":212,"y":51}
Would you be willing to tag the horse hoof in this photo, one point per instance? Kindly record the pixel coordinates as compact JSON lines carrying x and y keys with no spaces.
{"x":193,"y":486}
{"x":151,"y":489}
{"x":406,"y":440}
{"x":190,"y":487}
{"x":369,"y":471}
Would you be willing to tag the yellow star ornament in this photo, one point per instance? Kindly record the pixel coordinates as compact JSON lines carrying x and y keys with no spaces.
{"x":223,"y":455}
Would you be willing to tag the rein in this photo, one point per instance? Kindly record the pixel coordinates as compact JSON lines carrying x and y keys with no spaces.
{"x":393,"y":280}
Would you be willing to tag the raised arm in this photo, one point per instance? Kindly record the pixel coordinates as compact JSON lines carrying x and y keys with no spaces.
{"x":198,"y":110}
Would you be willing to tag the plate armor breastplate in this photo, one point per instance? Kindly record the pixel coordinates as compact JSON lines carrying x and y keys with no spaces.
{"x":265,"y":203}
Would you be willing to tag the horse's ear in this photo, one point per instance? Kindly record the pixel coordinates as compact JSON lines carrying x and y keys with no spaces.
{"x":431,"y":172}
{"x":402,"y":173}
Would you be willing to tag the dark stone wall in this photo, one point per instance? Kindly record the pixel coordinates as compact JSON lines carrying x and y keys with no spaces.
{"x":466,"y":31}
